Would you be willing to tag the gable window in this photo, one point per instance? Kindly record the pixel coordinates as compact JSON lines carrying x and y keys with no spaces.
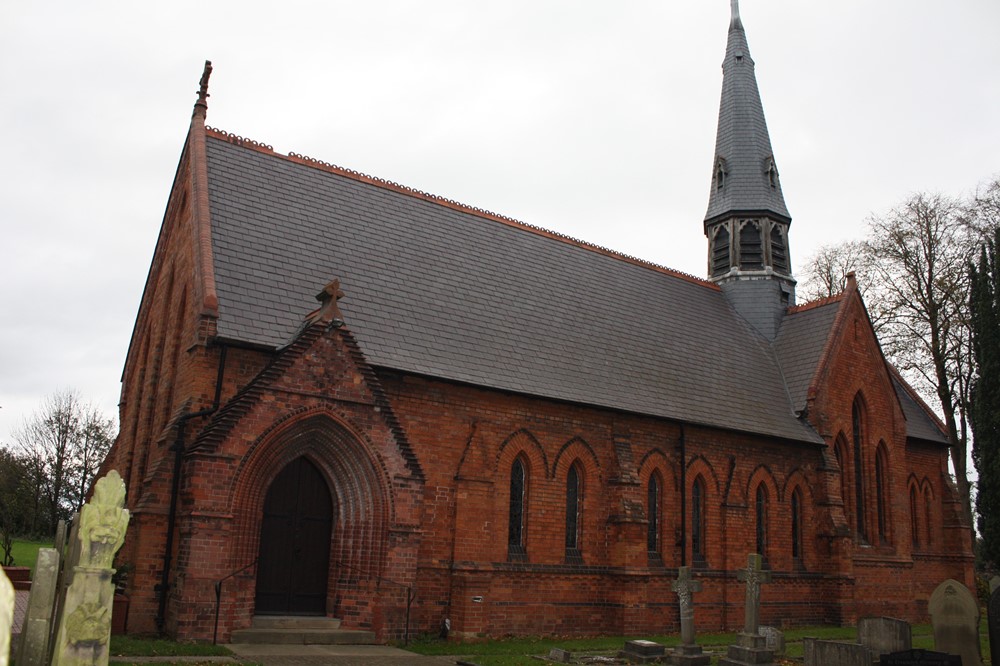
{"x":751,"y":250}
{"x":881,"y":487}
{"x":515,"y":524}
{"x":653,"y":515}
{"x":857,"y":433}
{"x":761,"y":510}
{"x":573,"y":494}
{"x":698,"y":521}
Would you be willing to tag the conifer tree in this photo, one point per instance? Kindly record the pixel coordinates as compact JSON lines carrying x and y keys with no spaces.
{"x":985,"y":408}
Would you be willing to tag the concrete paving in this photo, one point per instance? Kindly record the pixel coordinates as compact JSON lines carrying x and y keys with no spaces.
{"x":335,"y":655}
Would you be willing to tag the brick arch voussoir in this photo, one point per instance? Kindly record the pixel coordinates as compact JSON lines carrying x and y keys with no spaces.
{"x":356,"y":476}
{"x":699,"y":464}
{"x":522,"y":442}
{"x":656,"y":459}
{"x":575,"y":449}
{"x":797,"y":479}
{"x":762,"y":474}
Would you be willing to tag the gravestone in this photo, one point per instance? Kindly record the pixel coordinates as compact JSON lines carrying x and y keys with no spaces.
{"x":994,"y":584}
{"x":642,"y":652}
{"x":85,"y":624}
{"x":6,"y":616}
{"x":920,"y":658}
{"x":688,"y":653}
{"x":993,"y":620}
{"x":752,"y":647}
{"x":36,"y":631}
{"x":835,"y":653}
{"x":774,"y":640}
{"x":884,"y":634}
{"x":560,"y":656}
{"x":955,"y":618}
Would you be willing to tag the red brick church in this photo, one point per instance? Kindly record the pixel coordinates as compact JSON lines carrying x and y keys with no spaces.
{"x":347,"y":398}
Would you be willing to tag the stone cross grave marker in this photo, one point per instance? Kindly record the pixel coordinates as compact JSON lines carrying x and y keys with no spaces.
{"x":685,"y":586}
{"x":6,"y":616}
{"x":85,"y":623}
{"x":37,"y":629}
{"x":754,"y":575}
{"x":955,"y":618}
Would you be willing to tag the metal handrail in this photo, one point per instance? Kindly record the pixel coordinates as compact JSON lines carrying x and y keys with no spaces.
{"x":218,"y":595}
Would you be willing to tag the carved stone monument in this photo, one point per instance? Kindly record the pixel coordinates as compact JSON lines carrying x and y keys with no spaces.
{"x":33,"y":649}
{"x":85,"y":623}
{"x":955,"y":617}
{"x":688,"y":653}
{"x":6,"y":616}
{"x":752,"y":647}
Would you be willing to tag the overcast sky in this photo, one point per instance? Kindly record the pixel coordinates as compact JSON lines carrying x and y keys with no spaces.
{"x":594,"y":119}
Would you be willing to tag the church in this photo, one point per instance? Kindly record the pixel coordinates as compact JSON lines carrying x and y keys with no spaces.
{"x":346,"y":398}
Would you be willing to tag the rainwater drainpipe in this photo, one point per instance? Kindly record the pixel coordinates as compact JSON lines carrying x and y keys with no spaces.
{"x":682,"y":445}
{"x":178,"y":448}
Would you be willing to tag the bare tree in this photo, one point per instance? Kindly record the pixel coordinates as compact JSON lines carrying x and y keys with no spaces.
{"x":825,"y":272}
{"x":918,"y":255}
{"x":61,"y":446}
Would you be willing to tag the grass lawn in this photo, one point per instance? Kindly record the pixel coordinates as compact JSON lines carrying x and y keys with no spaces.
{"x":521,"y":652}
{"x":123,"y":647}
{"x":26,"y":552}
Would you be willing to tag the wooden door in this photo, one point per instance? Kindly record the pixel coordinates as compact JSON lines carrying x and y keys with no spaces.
{"x":295,"y":543}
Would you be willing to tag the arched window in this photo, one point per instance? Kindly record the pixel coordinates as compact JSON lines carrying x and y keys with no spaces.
{"x":574,"y":490}
{"x":761,"y":511}
{"x":515,"y":525}
{"x":857,"y":431}
{"x":881,"y":488}
{"x":914,"y":526}
{"x":928,"y":517}
{"x":779,"y":252}
{"x":797,"y":527}
{"x":698,"y":521}
{"x":751,"y":250}
{"x":653,"y":515}
{"x":720,"y":251}
{"x":840,"y":452}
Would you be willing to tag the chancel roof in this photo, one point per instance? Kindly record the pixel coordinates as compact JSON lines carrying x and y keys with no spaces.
{"x":448,"y":292}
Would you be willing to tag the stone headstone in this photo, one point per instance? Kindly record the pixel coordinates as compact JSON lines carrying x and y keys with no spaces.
{"x":920,"y":658}
{"x":642,"y":652}
{"x":883,"y":635}
{"x":560,"y":656}
{"x":774,"y":639}
{"x":6,"y":616}
{"x":835,"y":653}
{"x":85,"y":623}
{"x":955,"y":618}
{"x":688,"y":653}
{"x":36,"y":631}
{"x":993,"y":620}
{"x":752,"y":647}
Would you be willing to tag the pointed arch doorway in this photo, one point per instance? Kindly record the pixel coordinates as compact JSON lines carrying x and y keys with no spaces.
{"x":294,"y":556}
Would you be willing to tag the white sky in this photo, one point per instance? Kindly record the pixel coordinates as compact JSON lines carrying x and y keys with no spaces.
{"x":595,"y":119}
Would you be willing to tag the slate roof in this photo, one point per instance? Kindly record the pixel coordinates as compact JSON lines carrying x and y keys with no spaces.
{"x":742,"y":139}
{"x":442,"y":291}
{"x":919,"y":423}
{"x":799,"y":347}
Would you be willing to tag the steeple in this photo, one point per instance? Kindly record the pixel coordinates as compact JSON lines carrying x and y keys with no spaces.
{"x":747,"y":220}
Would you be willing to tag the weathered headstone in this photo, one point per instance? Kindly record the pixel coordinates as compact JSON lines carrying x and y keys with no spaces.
{"x":774,"y":639}
{"x":6,"y":616}
{"x":752,"y":647}
{"x":642,"y":652}
{"x":994,"y":584}
{"x":688,"y":653}
{"x":36,"y":631}
{"x":835,"y":653}
{"x":955,"y":618}
{"x":85,"y":623}
{"x":884,"y":634}
{"x":920,"y":658}
{"x":560,"y":656}
{"x":993,"y":619}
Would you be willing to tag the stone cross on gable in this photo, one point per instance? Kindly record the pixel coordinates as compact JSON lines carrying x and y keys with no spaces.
{"x":685,"y":586}
{"x":754,"y":575}
{"x":329,"y":311}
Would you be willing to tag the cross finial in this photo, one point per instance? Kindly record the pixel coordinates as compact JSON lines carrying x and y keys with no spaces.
{"x":201,"y":106}
{"x":329,"y":311}
{"x":735,"y":22}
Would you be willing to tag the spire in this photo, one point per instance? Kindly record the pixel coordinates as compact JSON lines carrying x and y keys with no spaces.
{"x":745,"y":176}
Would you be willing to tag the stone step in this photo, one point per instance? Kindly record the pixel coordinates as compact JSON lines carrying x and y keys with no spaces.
{"x":292,"y":630}
{"x":295,"y":622}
